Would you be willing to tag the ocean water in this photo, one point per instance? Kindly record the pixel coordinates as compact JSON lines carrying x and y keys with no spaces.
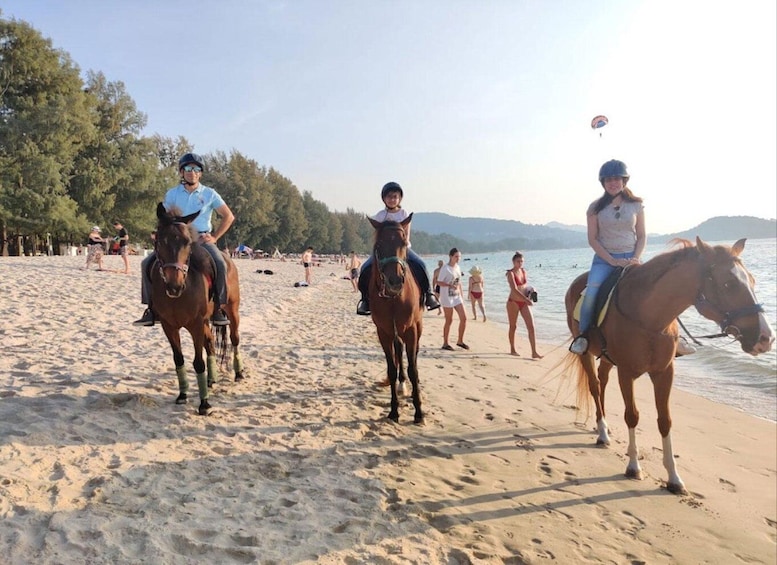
{"x":719,"y":370}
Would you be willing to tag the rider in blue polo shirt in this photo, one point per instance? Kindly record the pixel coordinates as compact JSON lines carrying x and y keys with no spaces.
{"x":189,"y":197}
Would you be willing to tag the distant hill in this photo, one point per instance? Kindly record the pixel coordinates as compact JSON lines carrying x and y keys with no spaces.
{"x":726,"y":228}
{"x":491,"y":234}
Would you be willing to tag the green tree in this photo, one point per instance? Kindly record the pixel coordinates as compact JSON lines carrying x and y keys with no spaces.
{"x":290,"y":228}
{"x":317,"y":215}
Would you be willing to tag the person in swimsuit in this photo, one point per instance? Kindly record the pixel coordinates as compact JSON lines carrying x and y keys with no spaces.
{"x":519,"y":302}
{"x":353,"y":268}
{"x":435,"y":286}
{"x":476,"y":288}
{"x":307,"y":262}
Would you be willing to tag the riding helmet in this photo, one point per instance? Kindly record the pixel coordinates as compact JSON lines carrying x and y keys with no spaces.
{"x":391,"y":187}
{"x":614,"y":168}
{"x":190,"y":158}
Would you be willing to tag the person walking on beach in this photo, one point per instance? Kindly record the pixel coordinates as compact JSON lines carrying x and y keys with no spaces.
{"x":476,"y":288}
{"x":191,"y":196}
{"x":353,"y":269}
{"x":520,"y":301}
{"x":449,"y":280}
{"x":307,"y":262}
{"x":95,"y":246}
{"x":123,"y":238}
{"x":616,"y":233}
{"x":435,"y":286}
{"x":392,"y":195}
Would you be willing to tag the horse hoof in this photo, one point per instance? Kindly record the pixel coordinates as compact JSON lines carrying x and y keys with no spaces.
{"x":205,"y":408}
{"x":419,"y":420}
{"x":239,"y":377}
{"x":394,"y":418}
{"x":602,"y":443}
{"x":634,"y":474}
{"x":182,"y":398}
{"x":676,"y":488}
{"x":211,"y":383}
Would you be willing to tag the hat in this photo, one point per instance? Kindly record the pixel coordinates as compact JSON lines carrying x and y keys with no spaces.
{"x":475,"y":271}
{"x":95,"y":228}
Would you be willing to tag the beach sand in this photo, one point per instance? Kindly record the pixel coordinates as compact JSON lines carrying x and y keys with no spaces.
{"x":298,"y":463}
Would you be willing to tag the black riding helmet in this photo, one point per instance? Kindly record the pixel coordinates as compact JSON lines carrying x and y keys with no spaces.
{"x":391,"y":187}
{"x":190,"y":158}
{"x":614,"y":168}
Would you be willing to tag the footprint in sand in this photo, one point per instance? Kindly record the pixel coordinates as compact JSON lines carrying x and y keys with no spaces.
{"x":728,"y":485}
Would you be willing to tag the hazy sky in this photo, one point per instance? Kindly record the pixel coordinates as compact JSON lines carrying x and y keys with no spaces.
{"x":478,"y":108}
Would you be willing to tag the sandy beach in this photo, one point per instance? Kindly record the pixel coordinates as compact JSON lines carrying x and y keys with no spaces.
{"x":299,"y":464}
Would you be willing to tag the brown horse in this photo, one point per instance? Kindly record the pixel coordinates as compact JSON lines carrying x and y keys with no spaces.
{"x":181,"y":279}
{"x":639,"y":333}
{"x":395,"y":303}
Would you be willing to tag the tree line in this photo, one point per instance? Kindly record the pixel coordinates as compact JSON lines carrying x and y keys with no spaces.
{"x":73,"y":154}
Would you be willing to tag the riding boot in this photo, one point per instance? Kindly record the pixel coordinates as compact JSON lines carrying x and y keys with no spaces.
{"x":431,"y":301}
{"x":219,"y":318}
{"x":579,"y":345}
{"x":147,"y":319}
{"x":363,"y":308}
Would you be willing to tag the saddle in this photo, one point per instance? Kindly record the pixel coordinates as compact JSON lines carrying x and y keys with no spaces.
{"x":603,"y":297}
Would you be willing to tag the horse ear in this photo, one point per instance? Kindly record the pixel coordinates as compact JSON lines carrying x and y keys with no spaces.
{"x":407,"y":220}
{"x":375,"y":224}
{"x":738,"y":247}
{"x":702,"y":247}
{"x":190,"y":218}
{"x":160,"y":211}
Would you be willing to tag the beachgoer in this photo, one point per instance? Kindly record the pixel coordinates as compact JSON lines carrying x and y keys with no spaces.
{"x":123,"y":238}
{"x":616,"y":233}
{"x":95,"y":246}
{"x":435,"y":286}
{"x":449,"y":280}
{"x":191,"y":196}
{"x":392,"y":195}
{"x":307,"y":262}
{"x":353,"y":269}
{"x":520,"y":301}
{"x":476,"y":288}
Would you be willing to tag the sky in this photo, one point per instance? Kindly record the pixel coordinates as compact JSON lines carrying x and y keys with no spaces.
{"x":478,"y":108}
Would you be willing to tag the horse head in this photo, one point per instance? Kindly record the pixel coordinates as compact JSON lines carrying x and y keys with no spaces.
{"x":390,"y":254}
{"x":727,"y":296}
{"x":173,"y":248}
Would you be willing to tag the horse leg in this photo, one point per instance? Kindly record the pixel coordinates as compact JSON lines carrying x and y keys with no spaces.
{"x":601,"y":425}
{"x":387,"y":341}
{"x":174,"y":337}
{"x":234,"y":339}
{"x":202,"y":378}
{"x":662,"y":386}
{"x":210,"y":351}
{"x":631,"y":415}
{"x":412,"y":338}
{"x":402,"y":374}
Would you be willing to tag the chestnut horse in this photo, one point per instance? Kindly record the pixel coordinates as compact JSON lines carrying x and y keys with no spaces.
{"x":639,"y":333}
{"x":395,"y":304}
{"x":181,"y":279}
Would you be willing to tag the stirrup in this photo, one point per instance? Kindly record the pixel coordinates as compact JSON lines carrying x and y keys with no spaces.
{"x":431,"y":302}
{"x":363,"y":309}
{"x":219,"y":318}
{"x":579,"y":346}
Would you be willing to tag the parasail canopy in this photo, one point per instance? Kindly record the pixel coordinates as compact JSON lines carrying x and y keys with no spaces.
{"x":599,"y":122}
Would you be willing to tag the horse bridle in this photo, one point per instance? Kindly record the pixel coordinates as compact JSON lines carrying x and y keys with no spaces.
{"x":382,"y":262}
{"x":183,"y":267}
{"x":724,"y":318}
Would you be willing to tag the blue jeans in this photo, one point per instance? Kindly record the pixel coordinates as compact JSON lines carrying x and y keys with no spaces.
{"x":600,"y":270}
{"x":417,"y":267}
{"x":221,"y":275}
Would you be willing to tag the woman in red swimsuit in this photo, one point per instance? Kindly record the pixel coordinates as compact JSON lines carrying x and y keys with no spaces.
{"x":519,"y":301}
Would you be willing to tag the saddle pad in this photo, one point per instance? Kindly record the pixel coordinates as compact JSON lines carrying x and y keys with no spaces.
{"x":602,"y":312}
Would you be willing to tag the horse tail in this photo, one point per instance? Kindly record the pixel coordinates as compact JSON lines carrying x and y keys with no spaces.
{"x":573,"y":368}
{"x":222,"y":346}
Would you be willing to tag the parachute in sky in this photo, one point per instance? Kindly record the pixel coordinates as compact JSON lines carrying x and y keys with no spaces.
{"x":598,"y":123}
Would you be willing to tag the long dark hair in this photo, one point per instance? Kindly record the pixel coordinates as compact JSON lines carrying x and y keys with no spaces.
{"x":606,"y":198}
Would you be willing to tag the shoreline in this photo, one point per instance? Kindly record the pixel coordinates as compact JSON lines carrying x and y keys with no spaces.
{"x":298,"y":464}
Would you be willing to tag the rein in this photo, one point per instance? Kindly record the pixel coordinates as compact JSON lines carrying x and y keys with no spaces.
{"x":183,"y":267}
{"x":382,"y":262}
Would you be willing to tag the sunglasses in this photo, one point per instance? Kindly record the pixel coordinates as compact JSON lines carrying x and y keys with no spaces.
{"x":192,"y":169}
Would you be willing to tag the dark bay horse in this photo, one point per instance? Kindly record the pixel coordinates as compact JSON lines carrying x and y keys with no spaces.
{"x":181,"y":279}
{"x":395,"y":303}
{"x":639,"y":333}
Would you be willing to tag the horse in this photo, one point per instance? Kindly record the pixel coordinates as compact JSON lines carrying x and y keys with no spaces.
{"x":395,"y":305}
{"x":181,"y":279}
{"x":639,"y":333}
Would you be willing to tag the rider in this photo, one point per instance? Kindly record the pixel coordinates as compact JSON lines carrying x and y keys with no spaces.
{"x":189,"y":197}
{"x":616,"y":232}
{"x":392,"y":194}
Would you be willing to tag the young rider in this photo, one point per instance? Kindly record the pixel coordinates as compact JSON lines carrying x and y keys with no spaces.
{"x":392,"y":194}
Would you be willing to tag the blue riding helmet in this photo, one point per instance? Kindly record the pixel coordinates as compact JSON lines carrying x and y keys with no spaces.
{"x":614,"y":168}
{"x":190,"y":158}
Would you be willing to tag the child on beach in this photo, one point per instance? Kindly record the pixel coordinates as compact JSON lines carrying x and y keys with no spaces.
{"x":475,"y":290}
{"x":392,"y":194}
{"x":520,"y":300}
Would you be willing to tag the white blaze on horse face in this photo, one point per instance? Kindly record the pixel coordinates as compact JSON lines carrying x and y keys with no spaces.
{"x":765,"y":331}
